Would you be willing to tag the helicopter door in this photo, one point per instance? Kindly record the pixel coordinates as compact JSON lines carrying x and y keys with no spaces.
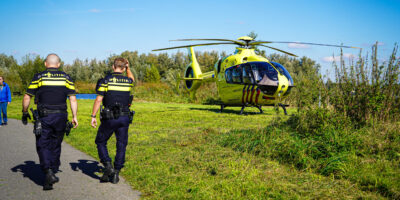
{"x":247,"y":74}
{"x":228,"y":76}
{"x":237,"y":75}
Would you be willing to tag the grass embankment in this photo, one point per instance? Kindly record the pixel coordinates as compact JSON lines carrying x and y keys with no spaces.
{"x":179,"y":151}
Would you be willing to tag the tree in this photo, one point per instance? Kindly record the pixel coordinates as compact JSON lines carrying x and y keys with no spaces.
{"x":152,"y":75}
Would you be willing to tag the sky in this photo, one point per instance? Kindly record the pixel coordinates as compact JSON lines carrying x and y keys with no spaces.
{"x":98,"y":28}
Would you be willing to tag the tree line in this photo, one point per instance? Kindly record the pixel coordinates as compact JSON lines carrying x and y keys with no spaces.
{"x":363,"y":88}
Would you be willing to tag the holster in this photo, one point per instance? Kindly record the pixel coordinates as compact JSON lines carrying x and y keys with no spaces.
{"x":131,"y":114}
{"x":37,"y":126}
{"x":106,"y":114}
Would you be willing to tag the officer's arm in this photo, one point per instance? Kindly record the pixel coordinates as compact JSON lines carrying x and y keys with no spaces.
{"x":25,"y":103}
{"x":74,"y":109}
{"x":129,"y":73}
{"x":96,"y":105}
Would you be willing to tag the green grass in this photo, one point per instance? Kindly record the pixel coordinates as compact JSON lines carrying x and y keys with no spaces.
{"x":175,"y":152}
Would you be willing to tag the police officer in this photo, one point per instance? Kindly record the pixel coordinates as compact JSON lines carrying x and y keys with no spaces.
{"x":51,"y":89}
{"x":113,"y":91}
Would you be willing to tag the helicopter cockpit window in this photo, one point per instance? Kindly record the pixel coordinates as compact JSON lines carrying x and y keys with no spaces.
{"x":283,"y":71}
{"x":237,"y":74}
{"x":228,"y":75}
{"x":261,"y":69}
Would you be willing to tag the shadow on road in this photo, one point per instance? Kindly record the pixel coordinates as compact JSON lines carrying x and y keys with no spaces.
{"x":88,"y":167}
{"x":31,"y":170}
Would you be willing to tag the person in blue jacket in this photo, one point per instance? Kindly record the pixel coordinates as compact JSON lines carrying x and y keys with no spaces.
{"x":5,"y":99}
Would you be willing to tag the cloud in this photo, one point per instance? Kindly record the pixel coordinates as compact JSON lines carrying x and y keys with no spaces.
{"x":94,"y":10}
{"x":337,"y":58}
{"x":298,"y":46}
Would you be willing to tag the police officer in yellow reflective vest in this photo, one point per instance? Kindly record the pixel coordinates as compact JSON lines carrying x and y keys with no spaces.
{"x":114,"y":92}
{"x":51,"y":89}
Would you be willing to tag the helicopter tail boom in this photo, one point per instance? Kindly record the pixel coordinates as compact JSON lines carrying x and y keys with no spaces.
{"x":193,"y":76}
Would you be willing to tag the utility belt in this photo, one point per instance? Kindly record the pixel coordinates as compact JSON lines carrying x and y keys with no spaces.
{"x":45,"y":109}
{"x":37,"y":114}
{"x":114,"y":112}
{"x":46,"y":112}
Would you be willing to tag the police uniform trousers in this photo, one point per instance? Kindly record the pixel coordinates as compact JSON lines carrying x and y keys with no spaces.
{"x":120,"y":126}
{"x":48,"y":144}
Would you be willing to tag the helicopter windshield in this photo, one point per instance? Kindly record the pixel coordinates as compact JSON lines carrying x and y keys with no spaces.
{"x":262,"y":69}
{"x":252,"y":73}
{"x":283,"y":71}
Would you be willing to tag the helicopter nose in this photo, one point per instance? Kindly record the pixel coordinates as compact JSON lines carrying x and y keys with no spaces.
{"x":268,"y":89}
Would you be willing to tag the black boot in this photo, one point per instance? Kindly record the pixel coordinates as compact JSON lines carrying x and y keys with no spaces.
{"x":49,"y":179}
{"x":108,"y":171}
{"x":115,"y":177}
{"x":54,"y":176}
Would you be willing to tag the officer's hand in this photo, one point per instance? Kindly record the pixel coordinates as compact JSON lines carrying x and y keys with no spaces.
{"x":75,"y":122}
{"x":25,"y":116}
{"x":94,"y":122}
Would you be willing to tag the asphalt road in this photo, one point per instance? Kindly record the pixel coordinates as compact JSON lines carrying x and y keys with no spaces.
{"x":22,"y":178}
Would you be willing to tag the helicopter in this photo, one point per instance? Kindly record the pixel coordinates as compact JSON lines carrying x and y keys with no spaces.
{"x":244,"y":78}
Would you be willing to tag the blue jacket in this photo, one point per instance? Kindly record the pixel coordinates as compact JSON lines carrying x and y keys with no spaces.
{"x":5,"y":93}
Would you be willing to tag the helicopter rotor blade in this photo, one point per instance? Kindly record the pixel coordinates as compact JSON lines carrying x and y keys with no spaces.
{"x":225,"y":40}
{"x":278,"y":50}
{"x":194,"y":45}
{"x":329,"y":45}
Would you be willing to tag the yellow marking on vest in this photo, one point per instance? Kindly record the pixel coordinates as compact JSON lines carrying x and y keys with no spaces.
{"x":116,"y":88}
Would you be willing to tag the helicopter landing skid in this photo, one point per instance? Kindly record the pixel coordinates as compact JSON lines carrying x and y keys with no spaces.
{"x":259,"y":108}
{"x":283,"y":107}
{"x":222,"y":107}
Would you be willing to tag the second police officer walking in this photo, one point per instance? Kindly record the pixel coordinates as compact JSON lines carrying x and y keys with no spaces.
{"x":114,"y":93}
{"x":51,"y":89}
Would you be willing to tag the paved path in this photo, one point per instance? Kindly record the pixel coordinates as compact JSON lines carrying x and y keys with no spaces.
{"x":21,"y":177}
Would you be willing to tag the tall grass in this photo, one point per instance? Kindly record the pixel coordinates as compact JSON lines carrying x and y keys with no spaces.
{"x":368,"y":90}
{"x":347,"y":129}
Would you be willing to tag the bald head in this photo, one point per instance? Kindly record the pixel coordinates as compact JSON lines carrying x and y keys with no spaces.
{"x":52,"y":60}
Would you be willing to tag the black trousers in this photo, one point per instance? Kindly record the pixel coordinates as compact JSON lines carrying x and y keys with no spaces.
{"x":120,"y":127}
{"x":48,"y":144}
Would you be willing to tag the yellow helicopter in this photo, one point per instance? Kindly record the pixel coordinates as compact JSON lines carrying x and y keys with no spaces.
{"x":243,"y":79}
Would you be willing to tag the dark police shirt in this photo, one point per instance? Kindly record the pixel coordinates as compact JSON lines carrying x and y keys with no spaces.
{"x":115,"y":88}
{"x":51,"y":88}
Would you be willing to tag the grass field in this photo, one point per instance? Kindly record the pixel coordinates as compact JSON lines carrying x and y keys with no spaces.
{"x":175,"y":152}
